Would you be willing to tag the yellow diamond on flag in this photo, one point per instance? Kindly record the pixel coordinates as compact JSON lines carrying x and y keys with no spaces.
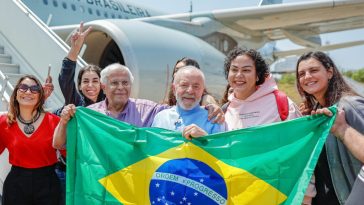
{"x":187,"y":174}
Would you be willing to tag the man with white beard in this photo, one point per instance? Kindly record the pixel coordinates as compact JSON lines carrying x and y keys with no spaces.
{"x":187,"y":116}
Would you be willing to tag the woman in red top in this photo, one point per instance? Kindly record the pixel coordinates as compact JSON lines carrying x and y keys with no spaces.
{"x":27,"y":131}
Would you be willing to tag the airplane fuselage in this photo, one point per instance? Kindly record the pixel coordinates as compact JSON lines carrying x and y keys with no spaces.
{"x":53,"y":12}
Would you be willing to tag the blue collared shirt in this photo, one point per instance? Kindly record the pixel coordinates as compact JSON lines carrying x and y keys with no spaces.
{"x":176,"y":118}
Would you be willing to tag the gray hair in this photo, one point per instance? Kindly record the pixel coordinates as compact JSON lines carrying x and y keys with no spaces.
{"x":115,"y":66}
{"x":178,"y":74}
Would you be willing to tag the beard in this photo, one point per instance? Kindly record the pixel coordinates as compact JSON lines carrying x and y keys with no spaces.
{"x":180,"y":103}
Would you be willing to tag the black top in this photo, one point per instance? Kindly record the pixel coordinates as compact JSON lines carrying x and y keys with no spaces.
{"x":324,"y":186}
{"x":69,"y":89}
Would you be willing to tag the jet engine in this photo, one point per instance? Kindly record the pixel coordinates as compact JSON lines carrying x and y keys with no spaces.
{"x":150,"y":52}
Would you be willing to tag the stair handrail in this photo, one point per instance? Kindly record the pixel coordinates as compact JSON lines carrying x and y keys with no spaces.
{"x":29,"y":12}
{"x":5,"y":84}
{"x":25,"y":56}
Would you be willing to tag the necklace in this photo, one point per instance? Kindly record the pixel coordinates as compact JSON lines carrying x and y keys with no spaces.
{"x":28,"y":125}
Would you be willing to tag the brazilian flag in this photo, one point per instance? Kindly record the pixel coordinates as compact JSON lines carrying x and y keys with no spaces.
{"x":111,"y":162}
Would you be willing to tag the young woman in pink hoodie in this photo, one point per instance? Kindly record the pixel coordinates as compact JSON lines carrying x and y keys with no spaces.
{"x":253,"y":101}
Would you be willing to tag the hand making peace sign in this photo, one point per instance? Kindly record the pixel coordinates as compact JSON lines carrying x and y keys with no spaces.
{"x":77,"y":40}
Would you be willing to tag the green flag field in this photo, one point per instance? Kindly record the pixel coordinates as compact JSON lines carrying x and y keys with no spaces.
{"x":111,"y":162}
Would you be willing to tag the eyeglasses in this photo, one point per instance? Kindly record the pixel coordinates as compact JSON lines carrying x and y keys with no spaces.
{"x":124,"y":83}
{"x":33,"y":89}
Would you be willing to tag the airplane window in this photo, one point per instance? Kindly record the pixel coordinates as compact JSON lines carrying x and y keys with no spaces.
{"x":64,"y":5}
{"x":105,"y":14}
{"x":113,"y":16}
{"x":55,"y":3}
{"x":97,"y":12}
{"x":45,"y":2}
{"x":73,"y":7}
{"x":90,"y":11}
{"x":82,"y":9}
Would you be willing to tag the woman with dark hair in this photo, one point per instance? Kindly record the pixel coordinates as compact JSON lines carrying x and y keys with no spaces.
{"x":330,"y":91}
{"x":88,"y":90}
{"x":27,"y":132}
{"x":253,"y":101}
{"x":206,"y":97}
{"x":256,"y":99}
{"x":321,"y":85}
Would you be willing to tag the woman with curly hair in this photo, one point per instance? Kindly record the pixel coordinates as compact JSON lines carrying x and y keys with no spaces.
{"x":253,"y":101}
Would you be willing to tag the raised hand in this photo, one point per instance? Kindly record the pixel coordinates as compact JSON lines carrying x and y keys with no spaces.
{"x":67,"y":113}
{"x":77,"y":40}
{"x":59,"y":136}
{"x":48,"y":87}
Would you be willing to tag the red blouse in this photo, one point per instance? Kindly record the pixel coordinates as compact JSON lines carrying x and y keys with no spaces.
{"x":34,"y":151}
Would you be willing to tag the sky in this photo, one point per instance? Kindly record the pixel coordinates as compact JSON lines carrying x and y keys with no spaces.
{"x":345,"y":59}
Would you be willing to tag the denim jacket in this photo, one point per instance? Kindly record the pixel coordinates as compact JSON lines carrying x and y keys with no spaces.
{"x":344,"y":167}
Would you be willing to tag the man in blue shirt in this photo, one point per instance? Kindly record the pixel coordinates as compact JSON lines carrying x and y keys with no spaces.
{"x":187,"y":116}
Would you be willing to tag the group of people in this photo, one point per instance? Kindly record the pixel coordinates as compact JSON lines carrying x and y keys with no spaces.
{"x":33,"y":136}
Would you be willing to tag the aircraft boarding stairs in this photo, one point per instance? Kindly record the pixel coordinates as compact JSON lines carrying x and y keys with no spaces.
{"x":28,"y":46}
{"x":9,"y":74}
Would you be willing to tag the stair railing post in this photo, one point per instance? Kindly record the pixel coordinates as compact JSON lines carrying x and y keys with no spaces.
{"x":3,"y":86}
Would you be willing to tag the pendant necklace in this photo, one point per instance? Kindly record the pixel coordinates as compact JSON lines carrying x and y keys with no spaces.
{"x":28,"y":125}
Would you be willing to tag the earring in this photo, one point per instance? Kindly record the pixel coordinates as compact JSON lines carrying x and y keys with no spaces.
{"x":257,"y":79}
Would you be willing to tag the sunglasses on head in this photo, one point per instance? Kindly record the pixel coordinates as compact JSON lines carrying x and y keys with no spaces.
{"x":33,"y":89}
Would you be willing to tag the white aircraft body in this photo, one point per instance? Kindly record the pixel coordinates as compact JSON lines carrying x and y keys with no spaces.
{"x":149,"y":42}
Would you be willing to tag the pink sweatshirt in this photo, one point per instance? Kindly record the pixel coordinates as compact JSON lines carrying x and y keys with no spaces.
{"x":258,"y":109}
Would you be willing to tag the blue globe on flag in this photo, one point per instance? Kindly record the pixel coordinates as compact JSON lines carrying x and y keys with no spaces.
{"x":187,"y":181}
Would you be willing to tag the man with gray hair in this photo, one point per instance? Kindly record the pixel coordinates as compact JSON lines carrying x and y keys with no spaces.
{"x":116,"y":81}
{"x":187,"y":116}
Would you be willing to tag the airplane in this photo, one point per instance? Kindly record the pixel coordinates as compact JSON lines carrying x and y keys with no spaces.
{"x":149,"y":42}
